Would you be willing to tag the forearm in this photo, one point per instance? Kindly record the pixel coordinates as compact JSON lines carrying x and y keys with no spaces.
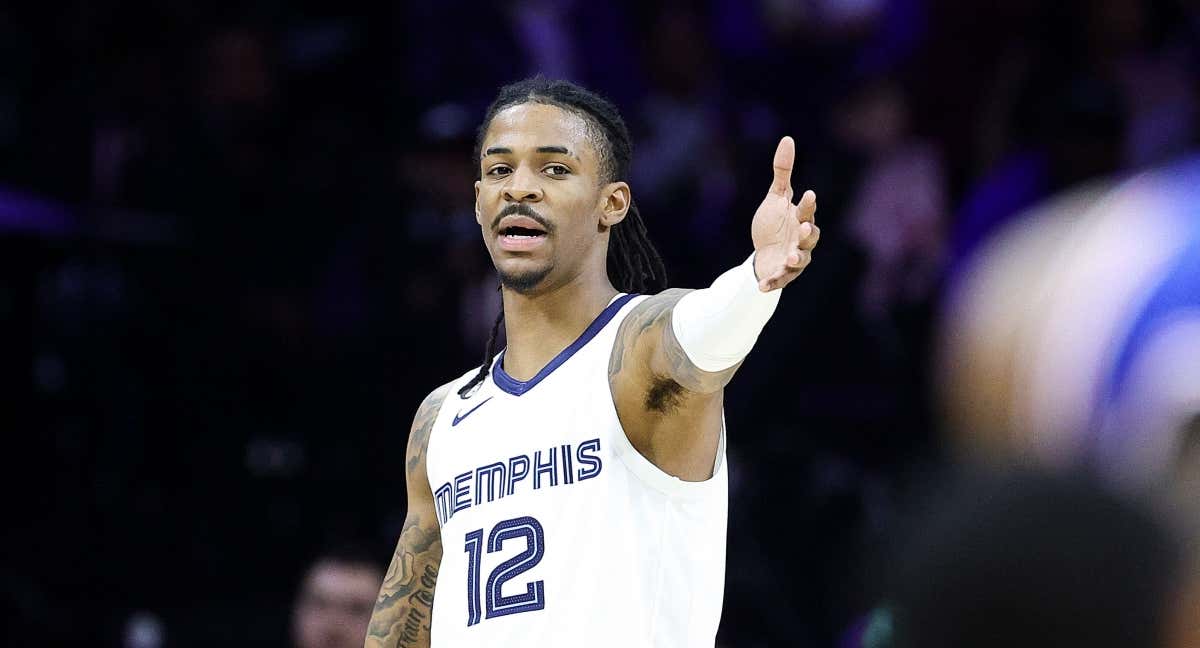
{"x":404,"y":609}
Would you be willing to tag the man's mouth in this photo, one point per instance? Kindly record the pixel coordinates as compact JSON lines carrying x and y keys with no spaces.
{"x":520,"y":233}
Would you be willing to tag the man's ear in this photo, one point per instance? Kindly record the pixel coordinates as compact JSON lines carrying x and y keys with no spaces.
{"x":615,"y":201}
{"x":478,"y":215}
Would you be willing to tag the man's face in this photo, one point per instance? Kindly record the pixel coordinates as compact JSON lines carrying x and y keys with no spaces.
{"x":335,"y":606}
{"x":539,"y":202}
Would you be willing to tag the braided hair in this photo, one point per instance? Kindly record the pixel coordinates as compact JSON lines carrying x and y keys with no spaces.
{"x":634,"y":265}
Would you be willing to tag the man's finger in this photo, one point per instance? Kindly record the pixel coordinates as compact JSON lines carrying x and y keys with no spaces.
{"x":771,"y":281}
{"x":808,"y":207}
{"x":785,"y":156}
{"x":809,"y":242}
{"x":781,"y":279}
{"x":798,"y":260}
{"x":797,"y":235}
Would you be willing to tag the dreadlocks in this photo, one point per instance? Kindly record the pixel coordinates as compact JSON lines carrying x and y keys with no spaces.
{"x":634,"y":266}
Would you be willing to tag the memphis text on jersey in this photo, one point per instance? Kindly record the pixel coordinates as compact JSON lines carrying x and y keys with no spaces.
{"x":558,"y":465}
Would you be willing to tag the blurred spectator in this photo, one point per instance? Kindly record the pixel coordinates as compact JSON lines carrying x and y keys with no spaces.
{"x":1060,"y":137}
{"x":681,"y":172}
{"x":1130,"y":43}
{"x":335,"y":601}
{"x":898,"y":214}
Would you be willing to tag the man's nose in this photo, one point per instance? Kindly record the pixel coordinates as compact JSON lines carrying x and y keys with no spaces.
{"x":522,"y":186}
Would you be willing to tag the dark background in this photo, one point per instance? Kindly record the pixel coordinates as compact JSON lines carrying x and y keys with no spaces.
{"x":237,"y":250}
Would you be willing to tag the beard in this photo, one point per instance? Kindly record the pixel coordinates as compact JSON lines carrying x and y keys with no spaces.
{"x":523,"y":283}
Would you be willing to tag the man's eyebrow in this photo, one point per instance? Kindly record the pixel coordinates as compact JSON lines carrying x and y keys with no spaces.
{"x":556,"y":149}
{"x":504,"y":150}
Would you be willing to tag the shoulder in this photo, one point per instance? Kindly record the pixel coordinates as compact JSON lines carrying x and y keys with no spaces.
{"x":653,"y":310}
{"x":427,"y":413}
{"x":647,"y":353}
{"x":639,"y":338}
{"x":666,"y":297}
{"x":432,"y":404}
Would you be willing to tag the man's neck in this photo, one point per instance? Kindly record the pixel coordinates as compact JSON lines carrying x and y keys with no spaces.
{"x":539,"y":326}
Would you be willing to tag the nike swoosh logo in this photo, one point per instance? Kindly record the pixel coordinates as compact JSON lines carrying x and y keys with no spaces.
{"x":460,"y":416}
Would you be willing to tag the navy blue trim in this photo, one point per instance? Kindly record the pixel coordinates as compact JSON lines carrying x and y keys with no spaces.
{"x":517,"y":387}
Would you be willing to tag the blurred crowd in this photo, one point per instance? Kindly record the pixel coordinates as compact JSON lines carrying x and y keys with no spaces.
{"x":237,"y":249}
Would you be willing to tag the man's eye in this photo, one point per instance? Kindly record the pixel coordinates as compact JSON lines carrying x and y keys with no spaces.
{"x":498,"y":170}
{"x":557,"y":169}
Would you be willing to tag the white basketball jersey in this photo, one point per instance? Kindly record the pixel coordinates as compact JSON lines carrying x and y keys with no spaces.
{"x":555,"y":530}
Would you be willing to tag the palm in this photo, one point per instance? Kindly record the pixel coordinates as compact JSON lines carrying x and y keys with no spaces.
{"x":783,"y":233}
{"x":774,"y":221}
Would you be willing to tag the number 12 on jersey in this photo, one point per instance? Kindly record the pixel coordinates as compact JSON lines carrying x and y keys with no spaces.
{"x":496,"y":603}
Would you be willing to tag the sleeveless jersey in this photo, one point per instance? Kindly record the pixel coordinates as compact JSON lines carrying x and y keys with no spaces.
{"x":555,"y":530}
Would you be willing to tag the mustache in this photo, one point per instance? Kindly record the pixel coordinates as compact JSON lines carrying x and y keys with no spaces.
{"x":521,"y":209}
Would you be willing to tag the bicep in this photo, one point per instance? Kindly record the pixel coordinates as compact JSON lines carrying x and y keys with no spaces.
{"x":669,"y":409}
{"x":647,"y":356}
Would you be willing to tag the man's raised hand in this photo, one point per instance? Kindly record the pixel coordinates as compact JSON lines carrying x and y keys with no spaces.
{"x":784,"y":234}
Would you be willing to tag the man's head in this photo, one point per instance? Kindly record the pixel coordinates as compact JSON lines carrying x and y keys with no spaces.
{"x":1031,"y":559}
{"x":550,"y":195}
{"x":334,"y":604}
{"x":550,"y":199}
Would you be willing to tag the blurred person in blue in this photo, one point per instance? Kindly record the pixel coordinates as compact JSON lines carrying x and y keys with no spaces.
{"x":1073,"y":336}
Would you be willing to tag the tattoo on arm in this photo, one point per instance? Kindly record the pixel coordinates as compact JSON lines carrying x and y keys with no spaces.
{"x":672,"y":372}
{"x":418,"y":437}
{"x":404,"y":609}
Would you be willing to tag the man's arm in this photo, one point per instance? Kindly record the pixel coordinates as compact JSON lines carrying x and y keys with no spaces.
{"x":646,"y":340}
{"x":670,"y":408}
{"x":677,"y":350}
{"x":405,"y":606}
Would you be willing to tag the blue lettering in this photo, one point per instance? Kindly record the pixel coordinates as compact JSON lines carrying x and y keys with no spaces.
{"x":591,"y":460}
{"x":549,"y":467}
{"x":442,"y":502}
{"x":495,"y":481}
{"x":462,"y":492}
{"x":568,"y":475}
{"x":514,"y":475}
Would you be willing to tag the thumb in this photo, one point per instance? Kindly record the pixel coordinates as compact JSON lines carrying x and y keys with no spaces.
{"x":785,"y":156}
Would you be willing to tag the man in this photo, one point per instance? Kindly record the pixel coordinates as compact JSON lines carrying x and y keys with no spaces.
{"x":573,"y":491}
{"x":333,"y":606}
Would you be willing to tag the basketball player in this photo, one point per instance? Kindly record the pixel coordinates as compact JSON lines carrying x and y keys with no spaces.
{"x":572,"y":490}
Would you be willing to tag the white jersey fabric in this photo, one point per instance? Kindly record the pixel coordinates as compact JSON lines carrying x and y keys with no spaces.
{"x":555,"y":530}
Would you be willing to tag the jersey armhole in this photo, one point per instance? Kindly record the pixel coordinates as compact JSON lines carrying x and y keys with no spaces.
{"x":654,"y":476}
{"x":645,"y":469}
{"x":659,"y":479}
